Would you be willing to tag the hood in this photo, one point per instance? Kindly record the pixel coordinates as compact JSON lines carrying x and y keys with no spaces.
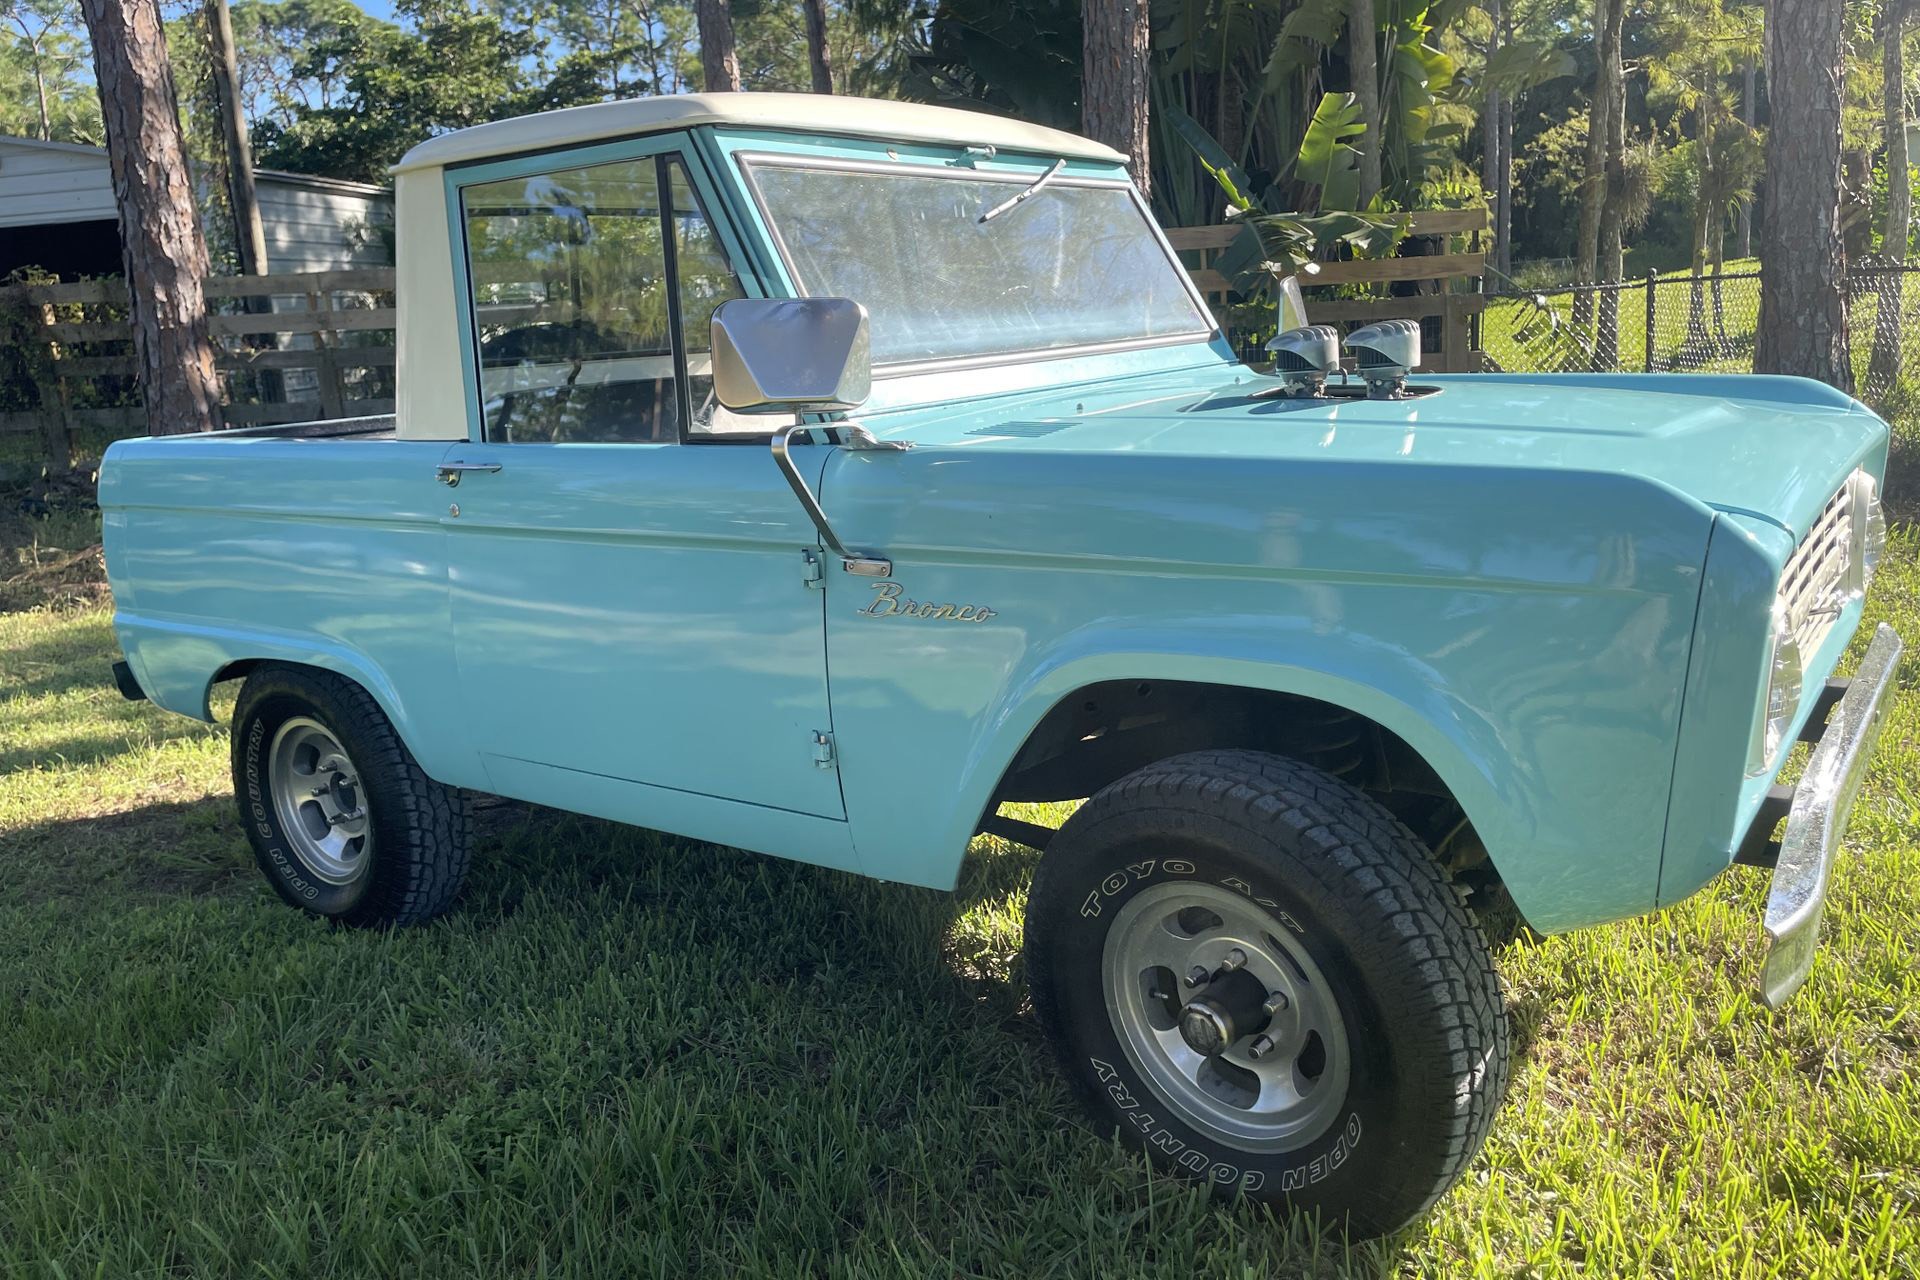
{"x":1771,"y":447}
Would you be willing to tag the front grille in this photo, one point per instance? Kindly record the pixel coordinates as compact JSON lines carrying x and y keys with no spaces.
{"x":1814,"y":588}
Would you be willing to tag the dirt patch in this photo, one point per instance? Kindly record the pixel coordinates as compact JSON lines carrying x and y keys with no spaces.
{"x":50,"y":558}
{"x":66,"y":580}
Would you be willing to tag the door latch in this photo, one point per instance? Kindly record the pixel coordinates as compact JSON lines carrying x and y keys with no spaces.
{"x":449,"y":473}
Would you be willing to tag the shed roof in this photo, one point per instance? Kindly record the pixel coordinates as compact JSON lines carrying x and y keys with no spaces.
{"x":806,"y":112}
{"x":82,"y":153}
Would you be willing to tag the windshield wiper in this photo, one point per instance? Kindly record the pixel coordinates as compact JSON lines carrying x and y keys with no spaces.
{"x":1038,"y":183}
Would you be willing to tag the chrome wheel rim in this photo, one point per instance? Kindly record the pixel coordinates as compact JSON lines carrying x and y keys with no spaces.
{"x":319,"y":800}
{"x":1283,"y":1073}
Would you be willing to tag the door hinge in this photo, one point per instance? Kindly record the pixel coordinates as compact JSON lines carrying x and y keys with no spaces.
{"x":810,"y":571}
{"x":822,"y":750}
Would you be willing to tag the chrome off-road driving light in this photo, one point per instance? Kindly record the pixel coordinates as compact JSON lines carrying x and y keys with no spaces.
{"x":1304,"y":357}
{"x":1384,"y":353}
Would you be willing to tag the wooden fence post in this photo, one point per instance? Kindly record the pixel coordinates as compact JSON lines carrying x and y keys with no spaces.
{"x":332,"y":398}
{"x":1653,"y":280}
{"x":56,"y":436}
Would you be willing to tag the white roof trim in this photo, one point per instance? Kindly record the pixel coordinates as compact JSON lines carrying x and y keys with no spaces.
{"x":344,"y":186}
{"x":804,"y":112}
{"x":74,"y":148}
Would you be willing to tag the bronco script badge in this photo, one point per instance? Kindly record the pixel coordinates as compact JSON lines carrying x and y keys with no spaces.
{"x":887,"y":602}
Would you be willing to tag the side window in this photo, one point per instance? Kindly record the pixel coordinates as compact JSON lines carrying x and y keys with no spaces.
{"x":571,"y":302}
{"x":706,"y":281}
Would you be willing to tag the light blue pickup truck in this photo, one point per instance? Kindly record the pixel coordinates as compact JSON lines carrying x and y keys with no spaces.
{"x":1350,"y":666}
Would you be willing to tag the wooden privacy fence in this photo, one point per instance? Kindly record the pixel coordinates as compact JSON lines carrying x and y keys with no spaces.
{"x":309,"y":345}
{"x":320,"y":344}
{"x":1442,"y":289}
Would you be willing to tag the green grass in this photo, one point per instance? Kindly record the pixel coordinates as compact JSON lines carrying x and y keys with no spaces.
{"x":627,"y":1054}
{"x":1510,"y":323}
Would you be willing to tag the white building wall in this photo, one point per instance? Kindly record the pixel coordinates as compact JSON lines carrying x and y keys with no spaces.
{"x":310,"y":224}
{"x":52,"y":183}
{"x":314,"y":228}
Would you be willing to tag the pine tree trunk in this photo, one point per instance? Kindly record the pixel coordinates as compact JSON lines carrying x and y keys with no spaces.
{"x":1803,"y":306}
{"x":1593,"y":183}
{"x":161,"y":245}
{"x":817,"y":46}
{"x":1702,"y":220}
{"x":719,"y":63}
{"x":1363,"y":66}
{"x":1490,"y":119}
{"x":1503,"y":193}
{"x":1884,"y":370}
{"x":1612,"y":256}
{"x":1747,"y":109}
{"x":1114,"y":79}
{"x":40,"y":84}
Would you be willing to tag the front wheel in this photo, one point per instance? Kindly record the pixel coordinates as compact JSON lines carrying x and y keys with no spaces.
{"x":1254,"y":973}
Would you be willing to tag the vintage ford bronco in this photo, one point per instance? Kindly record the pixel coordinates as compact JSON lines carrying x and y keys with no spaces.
{"x":1350,"y":669}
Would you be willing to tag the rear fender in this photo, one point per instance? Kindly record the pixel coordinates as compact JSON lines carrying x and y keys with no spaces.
{"x":178,"y":663}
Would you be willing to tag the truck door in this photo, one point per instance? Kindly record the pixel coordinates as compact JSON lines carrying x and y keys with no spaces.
{"x":631,"y":585}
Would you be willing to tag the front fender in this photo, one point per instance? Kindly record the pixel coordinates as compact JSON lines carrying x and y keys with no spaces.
{"x":1394,"y":689}
{"x":1562,"y":762}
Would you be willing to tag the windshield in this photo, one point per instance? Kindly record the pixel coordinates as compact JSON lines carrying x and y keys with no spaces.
{"x":1074,"y":264}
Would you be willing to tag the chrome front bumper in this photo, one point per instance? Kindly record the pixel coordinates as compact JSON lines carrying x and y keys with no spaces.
{"x":1822,"y":802}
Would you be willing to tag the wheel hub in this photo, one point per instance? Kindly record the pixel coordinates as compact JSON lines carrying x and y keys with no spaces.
{"x":317,"y":797}
{"x":1230,"y":1010}
{"x":1226,"y":1015}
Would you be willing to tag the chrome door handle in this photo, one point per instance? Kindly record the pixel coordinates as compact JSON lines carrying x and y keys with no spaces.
{"x":449,"y":473}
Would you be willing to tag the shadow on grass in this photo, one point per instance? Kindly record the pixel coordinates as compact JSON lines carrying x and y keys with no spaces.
{"x":64,"y":662}
{"x":187,"y":848}
{"x":787,"y":980}
{"x":92,"y":748}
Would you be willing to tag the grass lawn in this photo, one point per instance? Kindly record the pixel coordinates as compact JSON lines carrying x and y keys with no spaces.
{"x":1511,"y":325}
{"x":626,"y":1054}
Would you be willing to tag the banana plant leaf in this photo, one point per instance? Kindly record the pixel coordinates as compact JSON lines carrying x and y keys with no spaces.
{"x":1327,"y":159}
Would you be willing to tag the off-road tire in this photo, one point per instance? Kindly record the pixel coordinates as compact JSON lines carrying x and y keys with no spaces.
{"x":422,"y":830}
{"x":1410,"y":974}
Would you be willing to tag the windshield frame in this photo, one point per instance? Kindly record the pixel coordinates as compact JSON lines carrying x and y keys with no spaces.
{"x":750,"y":161}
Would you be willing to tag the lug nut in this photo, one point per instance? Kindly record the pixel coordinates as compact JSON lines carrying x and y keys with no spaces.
{"x":1235,"y":958}
{"x":1197,"y":976}
{"x":1276,"y":1003}
{"x":1261,"y":1046}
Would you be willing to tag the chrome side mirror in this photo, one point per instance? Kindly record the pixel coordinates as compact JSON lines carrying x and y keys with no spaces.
{"x":801,"y":355}
{"x":791,"y":355}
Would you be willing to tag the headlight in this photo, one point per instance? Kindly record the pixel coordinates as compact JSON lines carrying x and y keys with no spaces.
{"x":1869,"y":532}
{"x":1783,"y":696}
{"x":1874,"y":541}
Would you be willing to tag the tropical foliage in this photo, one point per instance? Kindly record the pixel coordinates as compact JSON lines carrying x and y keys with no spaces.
{"x":1478,"y":100}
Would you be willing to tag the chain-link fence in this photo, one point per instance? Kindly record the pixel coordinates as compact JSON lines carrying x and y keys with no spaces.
{"x":1705,"y":323}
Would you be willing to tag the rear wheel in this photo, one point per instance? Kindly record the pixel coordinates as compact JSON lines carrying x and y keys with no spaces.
{"x":1252,"y":972}
{"x":343,"y":821}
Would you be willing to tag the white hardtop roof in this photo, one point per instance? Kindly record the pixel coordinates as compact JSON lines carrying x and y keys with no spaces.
{"x":804,"y":112}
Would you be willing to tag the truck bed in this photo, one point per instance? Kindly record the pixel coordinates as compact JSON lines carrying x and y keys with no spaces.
{"x":376,"y":427}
